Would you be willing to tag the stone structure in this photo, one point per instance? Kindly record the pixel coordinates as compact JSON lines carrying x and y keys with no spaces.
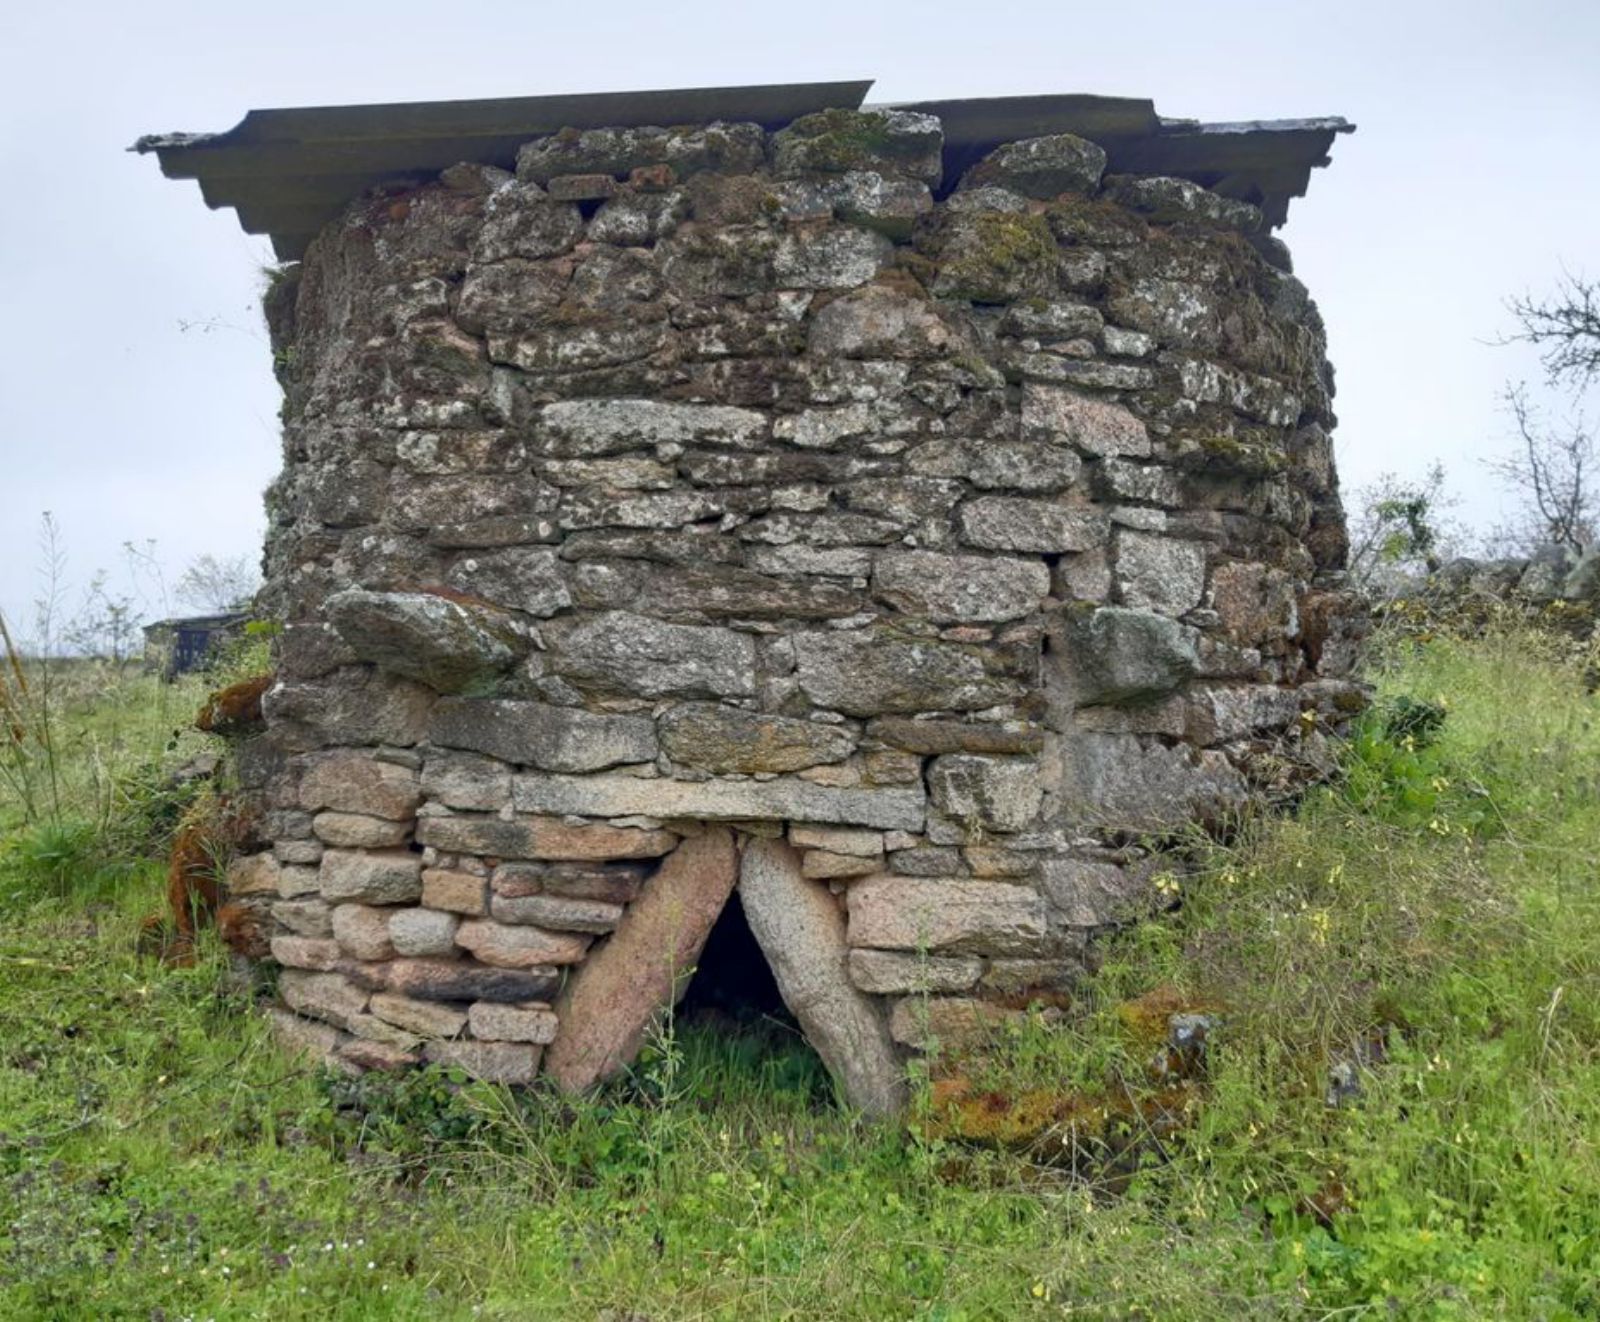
{"x":766,"y":512}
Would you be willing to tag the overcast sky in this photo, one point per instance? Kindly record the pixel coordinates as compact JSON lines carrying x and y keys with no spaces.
{"x":136,"y":400}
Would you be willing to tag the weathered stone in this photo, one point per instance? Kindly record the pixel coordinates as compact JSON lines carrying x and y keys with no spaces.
{"x":449,"y":645}
{"x":320,"y":953}
{"x":254,"y":874}
{"x":801,"y":931}
{"x":295,"y":1036}
{"x":871,"y":672}
{"x":373,"y":1028}
{"x":530,"y":579}
{"x":618,"y":652}
{"x":821,"y":865}
{"x":327,"y":996}
{"x":880,"y":322}
{"x":996,"y":257}
{"x":456,"y":892}
{"x":638,"y":974}
{"x":1160,"y":573}
{"x":989,"y":793}
{"x":1085,"y":893}
{"x":838,"y":258}
{"x":890,"y":206}
{"x":611,"y":883}
{"x":1029,"y":466}
{"x":1096,"y":426}
{"x":519,"y":221}
{"x":894,"y":973}
{"x":557,"y":912}
{"x":840,"y":141}
{"x":423,"y":931}
{"x":725,"y":147}
{"x":294,"y":882}
{"x":387,"y":876}
{"x":546,"y":837}
{"x":538,"y":735}
{"x":349,"y":830}
{"x":634,"y":220}
{"x":1041,"y":167}
{"x":837,"y":840}
{"x":459,"y":980}
{"x":959,"y":588}
{"x":1120,"y":655}
{"x":612,"y":426}
{"x":1011,"y":523}
{"x":981,"y":917}
{"x":517,"y":947}
{"x":465,"y":780}
{"x":425,"y":1018}
{"x":368,"y":1054}
{"x":311,"y":918}
{"x":785,"y":798}
{"x":1123,"y":782}
{"x":362,"y":931}
{"x":712,"y":737}
{"x":350,"y":781}
{"x":511,"y":1023}
{"x":934,"y":736}
{"x":492,"y":1062}
{"x":1166,"y":200}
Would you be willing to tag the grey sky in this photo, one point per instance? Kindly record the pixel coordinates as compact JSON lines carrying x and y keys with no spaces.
{"x":136,"y":399}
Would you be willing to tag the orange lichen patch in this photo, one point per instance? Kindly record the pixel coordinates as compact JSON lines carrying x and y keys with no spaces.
{"x":243,"y":929}
{"x":207,"y":835}
{"x":1147,"y":1019}
{"x":235,"y":708}
{"x":1060,"y":1126}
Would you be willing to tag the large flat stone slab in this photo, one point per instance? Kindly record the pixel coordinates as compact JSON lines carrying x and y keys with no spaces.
{"x":801,"y":930}
{"x":635,"y":977}
{"x":791,"y":799}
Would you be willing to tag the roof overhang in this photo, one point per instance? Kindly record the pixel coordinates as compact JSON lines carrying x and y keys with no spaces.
{"x":287,"y":173}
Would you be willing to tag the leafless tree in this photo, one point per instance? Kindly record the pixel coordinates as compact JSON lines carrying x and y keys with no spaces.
{"x":1565,"y":328}
{"x":211,"y":583}
{"x":1554,"y":467}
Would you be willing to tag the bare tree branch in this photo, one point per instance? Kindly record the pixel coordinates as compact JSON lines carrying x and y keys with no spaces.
{"x":1566,"y":330}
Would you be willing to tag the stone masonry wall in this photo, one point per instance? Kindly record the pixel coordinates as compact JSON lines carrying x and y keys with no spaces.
{"x":703,"y":507}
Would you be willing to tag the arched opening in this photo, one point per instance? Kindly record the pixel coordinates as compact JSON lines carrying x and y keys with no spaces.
{"x":734,"y":1026}
{"x":732,"y":982}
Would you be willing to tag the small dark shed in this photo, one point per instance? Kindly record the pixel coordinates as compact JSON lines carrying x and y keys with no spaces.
{"x":175,"y":647}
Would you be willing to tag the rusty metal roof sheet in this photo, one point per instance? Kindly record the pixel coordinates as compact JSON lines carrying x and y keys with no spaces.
{"x":288,"y":172}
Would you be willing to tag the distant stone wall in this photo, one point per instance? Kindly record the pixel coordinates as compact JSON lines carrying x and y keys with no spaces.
{"x":708,"y":495}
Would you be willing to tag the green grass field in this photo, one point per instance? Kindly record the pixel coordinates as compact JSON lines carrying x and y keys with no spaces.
{"x":158,"y":1160}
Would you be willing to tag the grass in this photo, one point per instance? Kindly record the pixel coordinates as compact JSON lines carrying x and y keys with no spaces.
{"x":1433,"y":922}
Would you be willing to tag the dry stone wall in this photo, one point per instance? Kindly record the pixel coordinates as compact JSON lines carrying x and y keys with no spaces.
{"x":697,"y":495}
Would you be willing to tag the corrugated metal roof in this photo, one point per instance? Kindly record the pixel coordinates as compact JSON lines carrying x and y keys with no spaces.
{"x":288,"y":172}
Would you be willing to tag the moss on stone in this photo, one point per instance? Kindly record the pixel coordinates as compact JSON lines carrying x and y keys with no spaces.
{"x":996,"y":257}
